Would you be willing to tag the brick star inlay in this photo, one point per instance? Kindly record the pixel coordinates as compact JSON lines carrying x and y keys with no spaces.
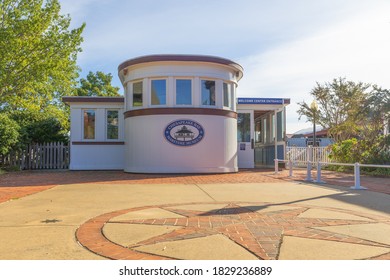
{"x":258,"y":228}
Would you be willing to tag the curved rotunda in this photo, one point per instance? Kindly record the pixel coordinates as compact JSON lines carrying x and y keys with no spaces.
{"x":180,"y":114}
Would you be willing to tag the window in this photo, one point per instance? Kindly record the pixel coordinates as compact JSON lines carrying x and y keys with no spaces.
{"x":89,"y":124}
{"x":183,"y":92}
{"x":208,"y":92}
{"x":232,"y":97}
{"x":112,"y":124}
{"x":258,"y":131}
{"x":137,"y":94}
{"x":159,"y":92}
{"x":226,"y":95}
{"x":280,"y":126}
{"x":243,"y":127}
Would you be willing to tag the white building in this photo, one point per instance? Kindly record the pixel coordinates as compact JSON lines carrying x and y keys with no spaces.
{"x":179,"y":114}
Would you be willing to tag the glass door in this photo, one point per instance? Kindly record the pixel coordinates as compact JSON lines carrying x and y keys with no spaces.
{"x":245,"y":139}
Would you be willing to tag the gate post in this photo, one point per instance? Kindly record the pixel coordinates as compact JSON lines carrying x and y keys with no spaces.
{"x":308,"y":173}
{"x":290,"y":166}
{"x":276,"y":166}
{"x":319,"y":174}
{"x":357,"y":178}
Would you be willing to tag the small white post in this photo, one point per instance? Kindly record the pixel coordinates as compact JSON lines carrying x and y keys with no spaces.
{"x":319,"y":174}
{"x":357,"y":178}
{"x":308,"y":175}
{"x":290,"y":166}
{"x":276,"y":166}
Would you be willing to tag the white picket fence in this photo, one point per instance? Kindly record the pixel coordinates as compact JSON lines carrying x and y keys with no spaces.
{"x":39,"y":156}
{"x":302,"y":154}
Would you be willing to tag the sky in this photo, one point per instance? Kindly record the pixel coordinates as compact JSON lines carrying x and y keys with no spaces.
{"x":284,"y":46}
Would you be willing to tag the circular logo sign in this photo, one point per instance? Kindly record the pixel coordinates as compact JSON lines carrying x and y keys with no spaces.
{"x":184,"y":133}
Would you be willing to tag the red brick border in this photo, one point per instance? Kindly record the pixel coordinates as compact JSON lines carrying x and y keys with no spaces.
{"x":259,"y":233}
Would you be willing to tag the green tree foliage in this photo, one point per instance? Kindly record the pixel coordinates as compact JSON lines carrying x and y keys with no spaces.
{"x":354,"y":114}
{"x":37,"y":53}
{"x":97,"y":84}
{"x":376,"y":112}
{"x":375,"y":151}
{"x":37,"y":126}
{"x":341,"y":105}
{"x":8,"y":134}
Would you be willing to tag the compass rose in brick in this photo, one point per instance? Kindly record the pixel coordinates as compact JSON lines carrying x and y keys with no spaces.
{"x":260,"y":233}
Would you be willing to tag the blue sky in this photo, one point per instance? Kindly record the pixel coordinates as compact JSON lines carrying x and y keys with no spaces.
{"x":284,"y":46}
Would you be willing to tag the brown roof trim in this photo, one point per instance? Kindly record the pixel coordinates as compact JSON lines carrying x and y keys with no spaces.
{"x":181,"y":57}
{"x":97,"y":143}
{"x":86,"y":99}
{"x":180,"y":111}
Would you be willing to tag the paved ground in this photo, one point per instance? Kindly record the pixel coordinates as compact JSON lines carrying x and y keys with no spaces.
{"x":253,"y":214}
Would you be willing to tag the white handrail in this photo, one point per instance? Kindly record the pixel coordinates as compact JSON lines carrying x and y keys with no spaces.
{"x":356,"y":166}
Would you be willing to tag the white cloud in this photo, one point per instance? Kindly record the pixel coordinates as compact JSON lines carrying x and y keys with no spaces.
{"x":284,"y":46}
{"x":356,"y":48}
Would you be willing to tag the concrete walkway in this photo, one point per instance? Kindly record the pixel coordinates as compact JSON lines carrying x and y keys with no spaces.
{"x":247,"y":215}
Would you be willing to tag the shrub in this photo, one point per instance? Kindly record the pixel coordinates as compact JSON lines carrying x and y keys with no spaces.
{"x":9,"y":133}
{"x":363,"y":151}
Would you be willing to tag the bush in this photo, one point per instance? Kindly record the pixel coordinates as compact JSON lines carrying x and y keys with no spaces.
{"x":363,"y":151}
{"x":9,"y":133}
{"x":40,"y":126}
{"x":345,"y":151}
{"x":43,"y":131}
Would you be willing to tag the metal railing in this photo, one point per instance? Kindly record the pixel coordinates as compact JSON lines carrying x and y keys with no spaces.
{"x":299,"y":155}
{"x":309,"y":164}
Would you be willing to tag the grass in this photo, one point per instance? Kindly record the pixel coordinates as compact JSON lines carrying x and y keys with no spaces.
{"x":6,"y":169}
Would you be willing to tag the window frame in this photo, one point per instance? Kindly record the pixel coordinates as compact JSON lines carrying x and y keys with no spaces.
{"x":191,"y":93}
{"x":106,"y":124}
{"x":142,"y":94}
{"x":201,"y":92}
{"x":228,"y":94}
{"x":166,"y":91}
{"x":94,"y":124}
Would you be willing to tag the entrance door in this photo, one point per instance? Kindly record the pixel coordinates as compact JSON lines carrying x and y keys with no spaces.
{"x":245,"y":140}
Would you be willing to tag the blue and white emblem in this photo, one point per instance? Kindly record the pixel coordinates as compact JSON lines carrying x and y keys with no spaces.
{"x":184,"y":133}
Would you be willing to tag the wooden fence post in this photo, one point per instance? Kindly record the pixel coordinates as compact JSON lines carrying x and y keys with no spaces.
{"x":53,"y":155}
{"x":61,"y":155}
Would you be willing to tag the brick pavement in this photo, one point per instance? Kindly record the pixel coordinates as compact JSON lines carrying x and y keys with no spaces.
{"x":377,"y":184}
{"x":259,"y":233}
{"x":14,"y":185}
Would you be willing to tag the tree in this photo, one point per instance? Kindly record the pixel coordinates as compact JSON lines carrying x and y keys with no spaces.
{"x":40,"y":126}
{"x":37,"y":53}
{"x":377,"y":108}
{"x":97,"y":84}
{"x":8,"y":133}
{"x":354,"y":113}
{"x":341,"y":106}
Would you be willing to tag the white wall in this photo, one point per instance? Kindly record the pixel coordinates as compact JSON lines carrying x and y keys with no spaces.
{"x":147,"y":149}
{"x":96,"y":157}
{"x":183,"y":69}
{"x":89,"y":154}
{"x":77,"y":120}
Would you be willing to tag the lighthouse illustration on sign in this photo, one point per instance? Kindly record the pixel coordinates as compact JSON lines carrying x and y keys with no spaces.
{"x":184,"y":133}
